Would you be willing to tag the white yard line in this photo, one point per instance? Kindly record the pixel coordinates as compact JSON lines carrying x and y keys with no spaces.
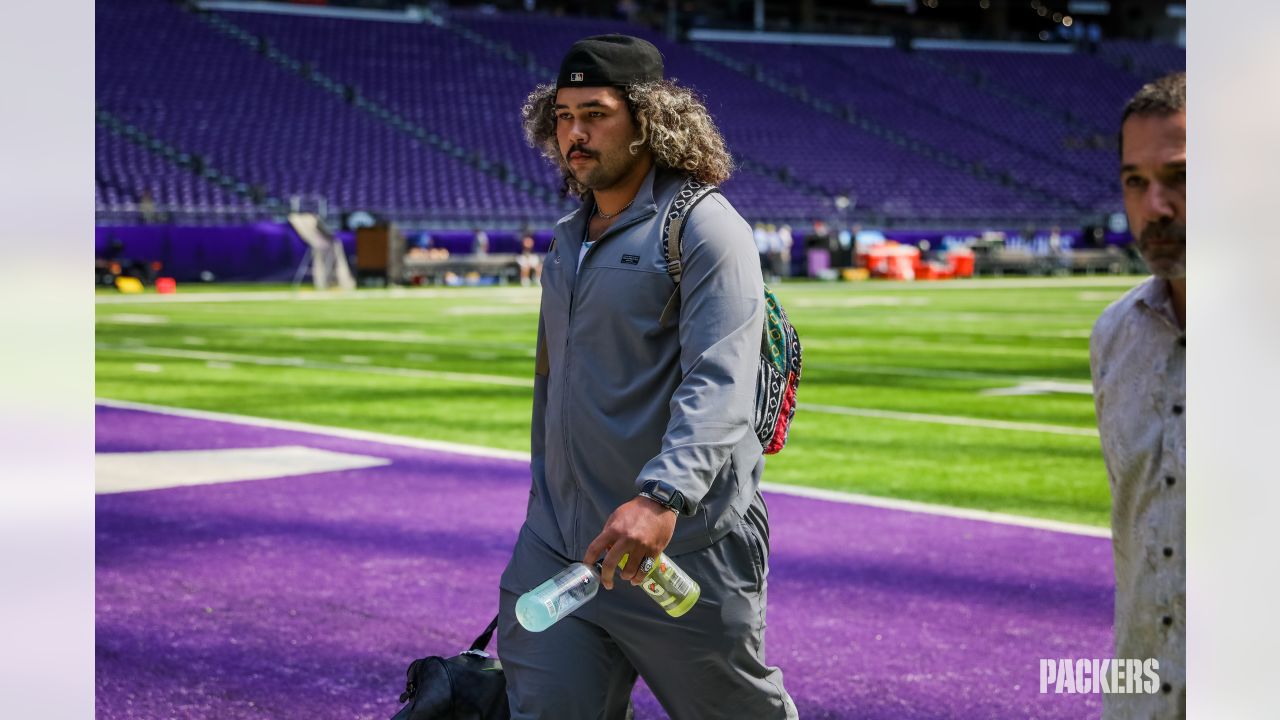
{"x":403,"y":336}
{"x":951,"y":420}
{"x":1041,"y":388}
{"x":290,"y":295}
{"x":479,"y":451}
{"x":906,"y":342}
{"x":852,"y":301}
{"x":318,"y":365}
{"x":134,"y":319}
{"x":1124,"y":281}
{"x":933,"y":373}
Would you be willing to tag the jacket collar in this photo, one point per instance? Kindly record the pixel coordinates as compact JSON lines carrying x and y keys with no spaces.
{"x":574,"y":226}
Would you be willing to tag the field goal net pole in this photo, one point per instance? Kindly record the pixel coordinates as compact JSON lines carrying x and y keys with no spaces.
{"x":325,"y":253}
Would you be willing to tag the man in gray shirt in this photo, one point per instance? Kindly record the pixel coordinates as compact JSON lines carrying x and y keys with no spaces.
{"x":641,"y":435}
{"x":1138,"y":359}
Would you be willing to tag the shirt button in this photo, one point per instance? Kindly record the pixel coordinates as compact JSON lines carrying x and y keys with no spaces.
{"x":1182,"y":341}
{"x":1170,"y":480}
{"x":1177,"y":409}
{"x":1166,"y":620}
{"x":1168,"y":552}
{"x":1166,"y":688}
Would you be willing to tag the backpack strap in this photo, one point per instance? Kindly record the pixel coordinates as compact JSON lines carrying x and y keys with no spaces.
{"x":542,"y":365}
{"x":483,"y":641}
{"x":690,"y":194}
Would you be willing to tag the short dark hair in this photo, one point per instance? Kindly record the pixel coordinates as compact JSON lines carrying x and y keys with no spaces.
{"x":1165,"y":96}
{"x":1159,"y":98}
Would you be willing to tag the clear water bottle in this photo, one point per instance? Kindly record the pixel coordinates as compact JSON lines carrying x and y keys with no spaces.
{"x":565,"y":592}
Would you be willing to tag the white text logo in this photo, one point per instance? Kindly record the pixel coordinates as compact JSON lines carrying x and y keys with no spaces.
{"x":1093,"y":675}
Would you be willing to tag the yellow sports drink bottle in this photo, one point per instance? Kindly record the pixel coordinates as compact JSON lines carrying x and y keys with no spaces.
{"x":667,"y":584}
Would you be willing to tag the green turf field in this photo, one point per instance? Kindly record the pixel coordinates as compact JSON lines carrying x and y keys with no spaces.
{"x":914,"y":391}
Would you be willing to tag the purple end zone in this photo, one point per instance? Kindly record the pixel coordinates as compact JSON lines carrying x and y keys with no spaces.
{"x":307,"y":596}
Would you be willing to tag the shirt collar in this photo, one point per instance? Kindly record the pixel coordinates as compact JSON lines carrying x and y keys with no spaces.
{"x":1156,"y":299}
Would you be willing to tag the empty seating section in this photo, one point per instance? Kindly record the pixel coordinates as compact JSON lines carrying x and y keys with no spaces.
{"x":1146,"y":60}
{"x":205,"y":92}
{"x":126,"y":171}
{"x":903,"y":92}
{"x":430,"y":75}
{"x":1087,"y":91}
{"x":421,"y":122}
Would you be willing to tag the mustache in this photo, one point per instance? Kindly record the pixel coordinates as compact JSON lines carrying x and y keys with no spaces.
{"x":579,"y":149}
{"x":1164,"y":232}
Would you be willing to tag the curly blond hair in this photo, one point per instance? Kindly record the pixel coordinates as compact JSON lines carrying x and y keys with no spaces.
{"x":674,"y":124}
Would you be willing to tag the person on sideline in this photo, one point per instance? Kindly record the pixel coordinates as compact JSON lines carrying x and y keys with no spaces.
{"x":641,"y":433}
{"x":1137,"y":355}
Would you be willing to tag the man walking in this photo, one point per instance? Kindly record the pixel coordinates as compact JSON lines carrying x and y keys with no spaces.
{"x":1138,"y":360}
{"x":641,"y":435}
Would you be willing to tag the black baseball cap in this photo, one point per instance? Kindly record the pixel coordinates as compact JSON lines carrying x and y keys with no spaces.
{"x":610,"y":60}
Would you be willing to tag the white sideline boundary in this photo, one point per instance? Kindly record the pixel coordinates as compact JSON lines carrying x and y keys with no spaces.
{"x":344,"y":433}
{"x":487,"y":452}
{"x":941,"y":510}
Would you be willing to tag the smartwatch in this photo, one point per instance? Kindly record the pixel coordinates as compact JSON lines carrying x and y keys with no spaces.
{"x":663,"y":494}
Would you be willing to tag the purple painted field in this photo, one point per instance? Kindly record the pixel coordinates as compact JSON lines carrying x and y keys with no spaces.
{"x":307,"y":596}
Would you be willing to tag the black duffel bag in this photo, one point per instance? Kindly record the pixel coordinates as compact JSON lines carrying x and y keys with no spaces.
{"x":468,"y":686}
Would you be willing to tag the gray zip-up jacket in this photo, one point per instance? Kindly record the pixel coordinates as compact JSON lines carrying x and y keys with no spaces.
{"x":625,"y":400}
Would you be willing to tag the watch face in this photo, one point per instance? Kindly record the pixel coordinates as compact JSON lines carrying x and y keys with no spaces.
{"x":664,"y":494}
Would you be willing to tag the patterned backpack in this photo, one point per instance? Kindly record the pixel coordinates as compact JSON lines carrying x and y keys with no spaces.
{"x":780,"y":356}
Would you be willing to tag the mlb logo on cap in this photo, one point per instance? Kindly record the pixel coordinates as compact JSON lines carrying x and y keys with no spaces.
{"x":610,"y":61}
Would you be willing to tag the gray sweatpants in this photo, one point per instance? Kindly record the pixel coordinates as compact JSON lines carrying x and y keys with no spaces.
{"x":704,"y":665}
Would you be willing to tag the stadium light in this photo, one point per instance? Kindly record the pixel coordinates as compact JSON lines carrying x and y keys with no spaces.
{"x":1066,"y":21}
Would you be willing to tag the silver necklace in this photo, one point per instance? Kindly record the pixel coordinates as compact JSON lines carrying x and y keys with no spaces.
{"x":610,"y":216}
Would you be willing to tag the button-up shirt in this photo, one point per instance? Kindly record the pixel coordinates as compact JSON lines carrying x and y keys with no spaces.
{"x":1138,"y":359}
